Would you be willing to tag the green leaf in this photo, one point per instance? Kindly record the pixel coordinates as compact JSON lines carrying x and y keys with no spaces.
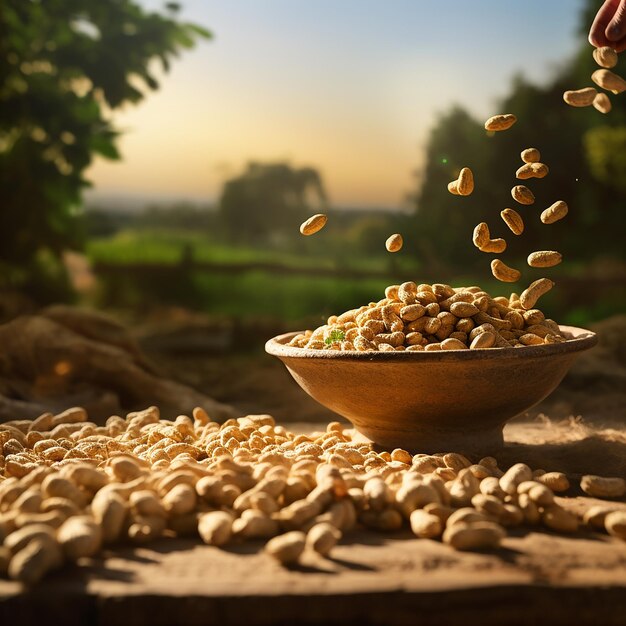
{"x":335,"y":336}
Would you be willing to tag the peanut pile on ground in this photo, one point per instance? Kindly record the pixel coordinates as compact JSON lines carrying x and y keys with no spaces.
{"x":69,"y":487}
{"x":427,"y":317}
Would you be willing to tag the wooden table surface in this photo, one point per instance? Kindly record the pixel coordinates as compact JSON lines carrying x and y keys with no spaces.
{"x":536,"y":577}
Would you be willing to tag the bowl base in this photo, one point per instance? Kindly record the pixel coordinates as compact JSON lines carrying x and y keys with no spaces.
{"x":475,"y":444}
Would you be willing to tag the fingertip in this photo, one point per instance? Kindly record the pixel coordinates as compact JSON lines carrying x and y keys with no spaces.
{"x":597,"y":39}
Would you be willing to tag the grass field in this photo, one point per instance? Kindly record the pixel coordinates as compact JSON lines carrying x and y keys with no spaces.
{"x":291,"y":298}
{"x":168,"y":247}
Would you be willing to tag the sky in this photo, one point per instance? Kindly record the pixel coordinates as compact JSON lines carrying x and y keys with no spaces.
{"x":350,"y":87}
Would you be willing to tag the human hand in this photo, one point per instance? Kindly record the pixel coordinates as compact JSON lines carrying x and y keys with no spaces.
{"x":609,"y":26}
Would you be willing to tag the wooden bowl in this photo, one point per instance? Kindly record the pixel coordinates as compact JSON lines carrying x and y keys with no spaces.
{"x":456,"y":400}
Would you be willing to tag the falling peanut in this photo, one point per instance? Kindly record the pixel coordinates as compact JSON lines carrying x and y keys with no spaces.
{"x":544,"y":258}
{"x":538,"y":288}
{"x":481,"y":235}
{"x":496,"y":246}
{"x":530,"y":155}
{"x":513,"y":220}
{"x":522,"y":194}
{"x":602,"y":103}
{"x":503,"y":272}
{"x":500,"y":122}
{"x":314,"y":224}
{"x":465,"y":184}
{"x":532,"y":170}
{"x":554,"y":212}
{"x":605,"y":56}
{"x":580,"y":97}
{"x":394,"y":243}
{"x":609,"y":80}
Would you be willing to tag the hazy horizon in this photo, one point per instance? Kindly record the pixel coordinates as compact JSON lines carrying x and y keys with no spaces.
{"x":351,"y":89}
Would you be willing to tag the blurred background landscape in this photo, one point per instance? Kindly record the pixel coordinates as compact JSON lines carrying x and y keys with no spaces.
{"x":156,"y":160}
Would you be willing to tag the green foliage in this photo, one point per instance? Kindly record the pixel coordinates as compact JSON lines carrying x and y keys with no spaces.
{"x":269,"y":201}
{"x":64,"y":66}
{"x":335,"y":336}
{"x":605,"y":148}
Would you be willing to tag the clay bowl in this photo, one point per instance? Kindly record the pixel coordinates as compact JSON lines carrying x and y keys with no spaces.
{"x":432,"y":401}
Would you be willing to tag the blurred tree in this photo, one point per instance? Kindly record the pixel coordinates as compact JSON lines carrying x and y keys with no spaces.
{"x":583,"y":148}
{"x":605,"y":148}
{"x":269,"y":201}
{"x":65,"y":65}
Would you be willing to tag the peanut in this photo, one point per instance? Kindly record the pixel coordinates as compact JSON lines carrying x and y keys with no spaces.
{"x":453,"y":344}
{"x":605,"y":56}
{"x":19,"y":539}
{"x":266,"y":480}
{"x":522,"y":194}
{"x":609,"y":81}
{"x":515,"y":475}
{"x":109,"y":510}
{"x":287,"y":548}
{"x":503,"y":272}
{"x":394,"y":243}
{"x":467,"y":515}
{"x":615,"y":524}
{"x":596,"y":515}
{"x":322,"y":538}
{"x":425,"y":525}
{"x":477,"y":536}
{"x":481,"y":235}
{"x":79,"y":536}
{"x":557,"y":481}
{"x":554,"y":212}
{"x":532,"y":170}
{"x":464,"y":184}
{"x":544,"y":258}
{"x":530,"y":155}
{"x":580,"y":97}
{"x":314,"y":224}
{"x":500,"y":122}
{"x":603,"y":487}
{"x":496,"y":246}
{"x":35,"y":560}
{"x":513,"y":220}
{"x":531,"y":294}
{"x":602,"y":103}
{"x":215,"y":528}
{"x":559,"y":519}
{"x":483,"y":340}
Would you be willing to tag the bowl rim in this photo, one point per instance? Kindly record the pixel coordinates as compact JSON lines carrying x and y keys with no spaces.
{"x":579,"y":339}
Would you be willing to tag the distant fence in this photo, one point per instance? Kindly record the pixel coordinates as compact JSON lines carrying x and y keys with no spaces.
{"x":150,"y":270}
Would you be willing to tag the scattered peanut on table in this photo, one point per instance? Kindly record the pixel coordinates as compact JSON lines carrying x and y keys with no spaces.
{"x":140,"y":478}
